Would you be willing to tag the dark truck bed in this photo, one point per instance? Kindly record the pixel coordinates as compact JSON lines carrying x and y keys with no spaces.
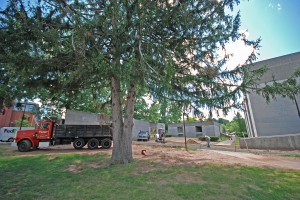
{"x":65,"y":134}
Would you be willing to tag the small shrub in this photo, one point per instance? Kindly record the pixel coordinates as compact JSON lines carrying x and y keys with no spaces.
{"x":242,"y":135}
{"x":212,"y":138}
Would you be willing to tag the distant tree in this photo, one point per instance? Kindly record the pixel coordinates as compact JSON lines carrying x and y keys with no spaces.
{"x":24,"y":122}
{"x":223,"y":128}
{"x":223,"y":121}
{"x":238,"y":124}
{"x":241,"y":122}
{"x":232,"y":126}
{"x":192,"y":119}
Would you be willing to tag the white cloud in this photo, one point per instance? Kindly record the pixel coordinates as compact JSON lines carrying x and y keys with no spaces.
{"x":279,"y":7}
{"x":271,"y":5}
{"x":275,"y":6}
{"x":239,"y":52}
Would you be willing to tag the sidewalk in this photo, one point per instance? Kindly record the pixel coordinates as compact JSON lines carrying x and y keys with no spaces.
{"x":225,"y":143}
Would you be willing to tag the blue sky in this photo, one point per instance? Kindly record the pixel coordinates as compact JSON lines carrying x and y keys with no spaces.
{"x":277,"y":22}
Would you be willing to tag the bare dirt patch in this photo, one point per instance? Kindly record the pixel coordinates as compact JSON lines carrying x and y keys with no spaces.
{"x":179,"y":156}
{"x":74,"y":169}
{"x":170,"y":156}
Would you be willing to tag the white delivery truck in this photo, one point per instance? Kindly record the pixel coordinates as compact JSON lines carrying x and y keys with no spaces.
{"x":7,"y":134}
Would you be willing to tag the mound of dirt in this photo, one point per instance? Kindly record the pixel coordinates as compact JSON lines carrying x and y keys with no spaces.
{"x":191,"y":141}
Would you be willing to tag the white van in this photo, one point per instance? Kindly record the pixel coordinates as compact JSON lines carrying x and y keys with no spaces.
{"x":7,"y":134}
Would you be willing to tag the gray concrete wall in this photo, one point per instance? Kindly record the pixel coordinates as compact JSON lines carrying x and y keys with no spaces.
{"x":217,"y":130}
{"x":192,"y":131}
{"x":281,"y":67}
{"x":172,"y":130}
{"x":275,"y":118}
{"x":210,"y":130}
{"x":81,"y":118}
{"x":154,"y":127}
{"x":280,"y":142}
{"x":280,"y":116}
{"x":139,"y":125}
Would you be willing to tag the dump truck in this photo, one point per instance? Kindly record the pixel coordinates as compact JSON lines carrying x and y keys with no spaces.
{"x":94,"y":136}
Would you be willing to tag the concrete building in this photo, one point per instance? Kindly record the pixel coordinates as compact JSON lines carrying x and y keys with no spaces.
{"x":139,"y":125}
{"x":279,"y":117}
{"x":151,"y":127}
{"x":194,"y":129}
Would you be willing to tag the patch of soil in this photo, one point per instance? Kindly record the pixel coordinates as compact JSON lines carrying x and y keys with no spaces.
{"x":178,"y":156}
{"x":74,"y":169}
{"x":170,"y":156}
{"x":191,"y":141}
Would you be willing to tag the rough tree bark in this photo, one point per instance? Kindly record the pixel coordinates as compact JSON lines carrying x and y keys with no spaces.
{"x":122,"y":131}
{"x":128,"y":122}
{"x":117,"y":153}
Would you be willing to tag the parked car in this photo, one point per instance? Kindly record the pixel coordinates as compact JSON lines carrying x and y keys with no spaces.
{"x":143,"y":136}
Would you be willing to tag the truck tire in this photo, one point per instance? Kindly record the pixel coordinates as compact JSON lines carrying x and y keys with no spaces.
{"x":106,"y":143}
{"x":24,"y":145}
{"x":78,"y":143}
{"x":10,"y":140}
{"x":93,"y":143}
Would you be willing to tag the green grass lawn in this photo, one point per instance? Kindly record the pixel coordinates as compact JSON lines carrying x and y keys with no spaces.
{"x":75,"y":176}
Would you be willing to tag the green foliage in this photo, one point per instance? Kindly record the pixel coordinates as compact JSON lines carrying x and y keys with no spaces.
{"x":73,"y":50}
{"x":66,"y":55}
{"x":242,"y":134}
{"x":192,"y":119}
{"x":232,"y":126}
{"x":288,"y":88}
{"x":223,"y":128}
{"x":238,"y":124}
{"x":222,"y":121}
{"x":24,"y":122}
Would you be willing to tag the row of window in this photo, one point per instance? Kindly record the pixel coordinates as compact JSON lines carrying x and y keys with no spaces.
{"x":197,"y":129}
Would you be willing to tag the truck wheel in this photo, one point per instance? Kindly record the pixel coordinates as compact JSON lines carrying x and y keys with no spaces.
{"x":78,"y":143}
{"x":24,"y":145}
{"x":10,"y":140}
{"x":93,"y":143}
{"x":106,"y":143}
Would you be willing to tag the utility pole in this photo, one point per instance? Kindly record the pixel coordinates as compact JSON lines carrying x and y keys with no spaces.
{"x":296,"y":105}
{"x":183,"y":114}
{"x":23,"y":115}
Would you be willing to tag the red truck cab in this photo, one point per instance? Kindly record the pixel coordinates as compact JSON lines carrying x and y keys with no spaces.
{"x":26,"y":139}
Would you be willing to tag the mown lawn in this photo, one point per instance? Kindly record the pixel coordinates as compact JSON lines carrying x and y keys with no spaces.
{"x":75,"y":176}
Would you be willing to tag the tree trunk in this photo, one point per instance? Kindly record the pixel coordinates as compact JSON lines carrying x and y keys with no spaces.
{"x":128,"y":122}
{"x":122,"y":132}
{"x":117,"y":129}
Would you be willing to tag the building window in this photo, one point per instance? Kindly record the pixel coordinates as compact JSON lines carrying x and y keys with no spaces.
{"x":179,"y":129}
{"x":198,"y":128}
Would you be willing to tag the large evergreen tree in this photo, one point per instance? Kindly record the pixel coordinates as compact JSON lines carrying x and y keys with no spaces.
{"x":57,"y":50}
